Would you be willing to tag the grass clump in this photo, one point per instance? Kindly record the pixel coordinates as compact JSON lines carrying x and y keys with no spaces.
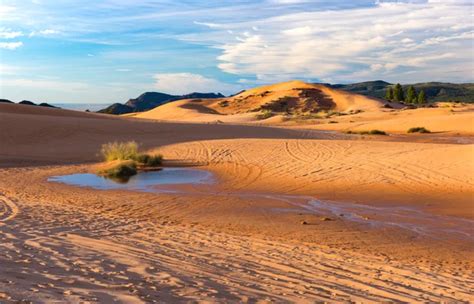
{"x":119,"y":151}
{"x":123,"y":160}
{"x":377,"y":132}
{"x":154,"y":160}
{"x":129,"y":151}
{"x":371,"y":132}
{"x":148,"y":160}
{"x":418,"y":130}
{"x":264,"y":114}
{"x":121,"y":170}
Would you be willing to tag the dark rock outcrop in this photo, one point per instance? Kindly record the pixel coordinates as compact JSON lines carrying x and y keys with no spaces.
{"x":117,"y":109}
{"x":151,"y":100}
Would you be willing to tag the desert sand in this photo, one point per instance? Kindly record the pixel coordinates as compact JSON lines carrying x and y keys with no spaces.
{"x":386,"y":218}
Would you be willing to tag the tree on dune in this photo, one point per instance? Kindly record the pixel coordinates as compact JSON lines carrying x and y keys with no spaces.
{"x":398,"y":93}
{"x":411,"y":95}
{"x":421,"y":97}
{"x":389,"y":94}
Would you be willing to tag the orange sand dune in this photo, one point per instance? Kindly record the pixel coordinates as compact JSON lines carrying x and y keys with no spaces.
{"x":294,"y":96}
{"x":298,"y":95}
{"x":191,"y":111}
{"x":249,"y":237}
{"x":452,"y":119}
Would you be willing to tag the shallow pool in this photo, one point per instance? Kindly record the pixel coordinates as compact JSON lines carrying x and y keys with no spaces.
{"x":143,"y":181}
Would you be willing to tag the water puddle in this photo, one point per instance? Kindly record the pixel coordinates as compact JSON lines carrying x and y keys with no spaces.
{"x":168,"y":180}
{"x":143,"y":181}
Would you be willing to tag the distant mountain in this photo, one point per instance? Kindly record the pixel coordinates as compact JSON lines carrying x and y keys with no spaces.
{"x":44,"y":104}
{"x":27,"y":102}
{"x":150,"y":100}
{"x":6,"y":101}
{"x":30,"y":103}
{"x":117,"y":109}
{"x":435,"y":91}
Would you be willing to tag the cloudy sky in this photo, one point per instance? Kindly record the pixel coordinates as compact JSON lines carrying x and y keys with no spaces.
{"x":95,"y":51}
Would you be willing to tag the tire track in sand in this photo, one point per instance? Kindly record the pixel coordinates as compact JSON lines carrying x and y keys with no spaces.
{"x":8,"y":209}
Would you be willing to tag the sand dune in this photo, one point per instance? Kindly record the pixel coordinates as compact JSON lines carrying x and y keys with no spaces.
{"x":242,"y":239}
{"x":361,"y":113}
{"x":293,"y":96}
{"x":452,"y":119}
{"x":191,"y":111}
{"x":299,"y":95}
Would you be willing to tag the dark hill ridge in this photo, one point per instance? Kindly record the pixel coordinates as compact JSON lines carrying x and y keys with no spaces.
{"x":29,"y":103}
{"x":151,"y":100}
{"x":435,"y":91}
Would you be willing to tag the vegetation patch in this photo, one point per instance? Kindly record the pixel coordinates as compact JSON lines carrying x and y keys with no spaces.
{"x":123,"y":160}
{"x":418,"y":130}
{"x":118,"y":169}
{"x":119,"y":151}
{"x":224,"y":103}
{"x":264,"y":114}
{"x":371,"y":132}
{"x":148,"y":160}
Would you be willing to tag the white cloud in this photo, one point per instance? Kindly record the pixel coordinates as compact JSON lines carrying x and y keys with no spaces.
{"x":47,"y":32}
{"x":10,"y":45}
{"x":183,"y":83}
{"x":6,"y":11}
{"x":123,"y":70}
{"x":6,"y":33}
{"x":381,"y":41}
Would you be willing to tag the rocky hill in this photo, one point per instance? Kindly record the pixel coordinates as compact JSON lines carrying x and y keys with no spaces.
{"x":151,"y":100}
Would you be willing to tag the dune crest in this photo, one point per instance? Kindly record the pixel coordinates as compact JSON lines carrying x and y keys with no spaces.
{"x":286,"y":97}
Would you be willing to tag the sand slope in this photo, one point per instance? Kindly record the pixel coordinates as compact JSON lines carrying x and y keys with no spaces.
{"x":293,"y":96}
{"x":300,"y":96}
{"x":452,"y":118}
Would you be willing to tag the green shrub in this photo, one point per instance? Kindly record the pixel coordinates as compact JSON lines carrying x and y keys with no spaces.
{"x":121,"y":170}
{"x":154,"y":160}
{"x":128,"y":153}
{"x":418,"y":130}
{"x":119,"y":151}
{"x":371,"y":132}
{"x":264,"y":114}
{"x":141,"y":158}
{"x":377,"y":132}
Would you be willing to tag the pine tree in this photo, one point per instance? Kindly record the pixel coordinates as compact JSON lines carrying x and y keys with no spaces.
{"x":389,"y":94}
{"x":398,"y":93}
{"x":421,"y":97}
{"x":411,"y":95}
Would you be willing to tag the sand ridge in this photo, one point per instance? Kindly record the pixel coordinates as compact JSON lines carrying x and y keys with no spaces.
{"x":294,"y":96}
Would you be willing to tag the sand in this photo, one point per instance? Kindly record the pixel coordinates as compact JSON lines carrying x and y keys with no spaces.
{"x":238,"y":240}
{"x":351,"y":112}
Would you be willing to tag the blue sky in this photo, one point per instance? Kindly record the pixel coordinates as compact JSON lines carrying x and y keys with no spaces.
{"x":109,"y":51}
